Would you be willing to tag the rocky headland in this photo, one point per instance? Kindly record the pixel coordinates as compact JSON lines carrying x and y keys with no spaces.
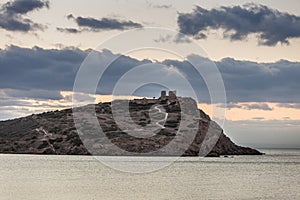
{"x":57,"y":133}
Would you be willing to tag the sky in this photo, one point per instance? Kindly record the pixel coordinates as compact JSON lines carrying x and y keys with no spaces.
{"x":254,"y":45}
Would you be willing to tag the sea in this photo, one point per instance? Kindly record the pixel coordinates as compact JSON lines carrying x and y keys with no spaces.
{"x":275,"y":175}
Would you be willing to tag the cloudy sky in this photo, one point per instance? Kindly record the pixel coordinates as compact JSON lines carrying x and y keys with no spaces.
{"x":254,"y":45}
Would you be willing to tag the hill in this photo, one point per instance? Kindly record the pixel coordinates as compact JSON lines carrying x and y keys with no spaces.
{"x":56,"y":132}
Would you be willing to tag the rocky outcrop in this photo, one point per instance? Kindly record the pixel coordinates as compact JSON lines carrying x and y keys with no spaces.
{"x":55,"y":132}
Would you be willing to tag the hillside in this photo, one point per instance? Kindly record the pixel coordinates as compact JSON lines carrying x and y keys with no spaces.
{"x":55,"y":132}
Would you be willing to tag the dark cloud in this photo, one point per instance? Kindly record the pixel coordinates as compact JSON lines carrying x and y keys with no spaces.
{"x":29,"y":72}
{"x":93,"y":24}
{"x":12,"y":15}
{"x":260,"y":82}
{"x":272,"y":26}
{"x":39,"y":69}
{"x":247,"y":81}
{"x":34,"y":94}
{"x":180,"y":38}
{"x":69,"y":30}
{"x":24,"y":6}
{"x":34,"y":69}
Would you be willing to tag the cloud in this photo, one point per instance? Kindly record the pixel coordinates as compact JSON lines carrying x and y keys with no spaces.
{"x":289,"y":105}
{"x":230,"y":105}
{"x":159,"y":6}
{"x":12,"y":15}
{"x":258,"y":118}
{"x":271,"y":26}
{"x":253,"y":106}
{"x":260,"y":82}
{"x":35,"y":94}
{"x":13,"y":107}
{"x":5,"y":102}
{"x":163,"y":6}
{"x":39,"y":69}
{"x":257,"y":106}
{"x":34,"y":69}
{"x":69,"y":30}
{"x":24,"y":6}
{"x":179,"y":38}
{"x":28,"y":72}
{"x":163,"y":39}
{"x":249,"y":81}
{"x":93,"y":24}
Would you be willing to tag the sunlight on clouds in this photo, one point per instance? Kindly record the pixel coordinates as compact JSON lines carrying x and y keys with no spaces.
{"x":91,"y":98}
{"x":153,"y":54}
{"x":240,"y":113}
{"x":277,"y":113}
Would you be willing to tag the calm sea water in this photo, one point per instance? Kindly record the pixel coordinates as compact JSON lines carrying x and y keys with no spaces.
{"x":272,"y":176}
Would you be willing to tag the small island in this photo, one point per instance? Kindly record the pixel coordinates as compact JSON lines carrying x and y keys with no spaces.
{"x":55,"y":133}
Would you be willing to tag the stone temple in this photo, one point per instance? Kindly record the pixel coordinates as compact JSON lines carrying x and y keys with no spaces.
{"x":171,"y":97}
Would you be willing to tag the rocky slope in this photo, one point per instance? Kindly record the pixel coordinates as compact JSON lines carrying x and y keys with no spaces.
{"x":55,"y":132}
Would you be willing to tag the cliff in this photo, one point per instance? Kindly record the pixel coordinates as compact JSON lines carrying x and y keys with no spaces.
{"x":55,"y":132}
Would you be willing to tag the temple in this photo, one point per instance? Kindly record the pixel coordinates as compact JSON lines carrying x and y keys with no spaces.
{"x":171,"y":97}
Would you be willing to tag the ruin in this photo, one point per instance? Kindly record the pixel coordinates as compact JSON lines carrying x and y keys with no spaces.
{"x":163,"y":97}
